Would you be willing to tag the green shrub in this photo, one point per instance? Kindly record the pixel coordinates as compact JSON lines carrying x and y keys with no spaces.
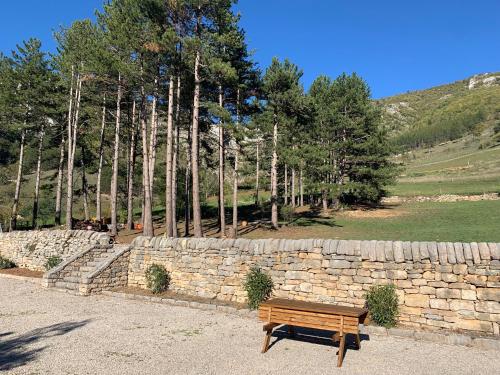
{"x":5,"y":263}
{"x":158,"y":278}
{"x":287,"y":213}
{"x":259,"y":287}
{"x":52,"y":262}
{"x":382,"y":303}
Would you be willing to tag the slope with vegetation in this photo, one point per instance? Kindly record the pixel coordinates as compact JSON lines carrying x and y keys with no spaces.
{"x":444,"y":113}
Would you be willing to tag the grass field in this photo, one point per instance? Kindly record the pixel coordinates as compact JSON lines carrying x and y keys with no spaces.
{"x":459,"y":167}
{"x":429,"y":221}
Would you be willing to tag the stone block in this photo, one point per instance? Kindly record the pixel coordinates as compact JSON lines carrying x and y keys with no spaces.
{"x":490,"y":307}
{"x":415,"y":251}
{"x":457,"y":305}
{"x":476,"y":256}
{"x":475,"y":325}
{"x":389,"y":252}
{"x":433,"y":251}
{"x":380,"y":251}
{"x":459,"y":252}
{"x":494,"y":250}
{"x":449,"y":277}
{"x":398,"y":252}
{"x":419,"y":282}
{"x":339,"y":263}
{"x":365,"y":250}
{"x":438,"y":303}
{"x":442,"y":253}
{"x":484,"y":251}
{"x":488,"y":294}
{"x":450,"y":251}
{"x":372,"y":251}
{"x":460,"y":269}
{"x":397,"y":274}
{"x":427,"y":290}
{"x":448,"y":293}
{"x":469,"y":295}
{"x":467,"y":251}
{"x":417,"y":300}
{"x":407,"y":250}
{"x":404,"y":284}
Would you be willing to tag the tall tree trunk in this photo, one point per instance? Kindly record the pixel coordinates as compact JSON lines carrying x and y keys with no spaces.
{"x":222,"y":210}
{"x":235,"y":194}
{"x":131,"y":168}
{"x":98,"y":213}
{"x":187,"y":187}
{"x":175,"y":157}
{"x":36,"y":200}
{"x":293,"y":187}
{"x":324,"y":199}
{"x":154,"y":138}
{"x":60,"y":173}
{"x":286,"y":184}
{"x":147,"y":212}
{"x":168,"y":161}
{"x":72,"y":140}
{"x":301,"y":187}
{"x":198,"y":231}
{"x":114,"y":176}
{"x":274,"y":177}
{"x":15,"y":205}
{"x":85,"y":191}
{"x":257,"y":172}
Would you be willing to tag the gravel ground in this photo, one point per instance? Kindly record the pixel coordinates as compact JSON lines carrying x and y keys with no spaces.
{"x":49,"y":332}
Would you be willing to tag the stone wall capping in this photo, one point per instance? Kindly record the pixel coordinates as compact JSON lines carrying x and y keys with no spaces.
{"x":484,"y":251}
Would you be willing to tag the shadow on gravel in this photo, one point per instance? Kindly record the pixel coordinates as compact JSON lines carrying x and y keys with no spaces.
{"x":314,"y":336}
{"x":13,"y":350}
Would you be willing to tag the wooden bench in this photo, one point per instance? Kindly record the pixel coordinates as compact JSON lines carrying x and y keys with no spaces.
{"x":341,"y":319}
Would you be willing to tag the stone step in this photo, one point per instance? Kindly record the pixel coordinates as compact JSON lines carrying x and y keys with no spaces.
{"x":86,"y":269}
{"x":72,"y":279}
{"x":92,"y":264}
{"x":66,"y":285}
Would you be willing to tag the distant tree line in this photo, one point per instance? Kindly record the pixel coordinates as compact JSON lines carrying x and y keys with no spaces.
{"x":159,"y":103}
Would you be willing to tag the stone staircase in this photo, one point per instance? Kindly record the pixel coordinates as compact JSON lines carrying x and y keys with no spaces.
{"x":90,"y":270}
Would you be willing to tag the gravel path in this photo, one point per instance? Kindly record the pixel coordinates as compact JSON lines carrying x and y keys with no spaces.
{"x":48,"y":332}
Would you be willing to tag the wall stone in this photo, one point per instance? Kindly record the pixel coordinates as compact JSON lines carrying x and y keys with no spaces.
{"x":31,"y":249}
{"x":451,"y":286}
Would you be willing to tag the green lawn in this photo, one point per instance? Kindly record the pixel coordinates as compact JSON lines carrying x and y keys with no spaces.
{"x":462,"y":186}
{"x":429,"y":221}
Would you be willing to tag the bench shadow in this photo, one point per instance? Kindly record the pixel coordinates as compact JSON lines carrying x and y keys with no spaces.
{"x":315,"y":336}
{"x":14,"y":352}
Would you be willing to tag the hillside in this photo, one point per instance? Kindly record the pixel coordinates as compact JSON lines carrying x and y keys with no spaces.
{"x":443,"y":113}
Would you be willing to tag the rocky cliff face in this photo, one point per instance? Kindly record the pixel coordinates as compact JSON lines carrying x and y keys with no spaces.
{"x":485,"y":79}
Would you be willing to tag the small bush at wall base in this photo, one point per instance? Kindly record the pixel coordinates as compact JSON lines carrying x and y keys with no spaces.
{"x":382,"y":302}
{"x":52,"y":262}
{"x":259,"y":287}
{"x":5,"y":263}
{"x":157,"y":278}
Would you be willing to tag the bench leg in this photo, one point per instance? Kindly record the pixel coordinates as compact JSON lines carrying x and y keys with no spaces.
{"x":336,"y":337}
{"x":358,"y":341}
{"x":340,"y":356}
{"x":267,"y":338}
{"x":291,"y":331}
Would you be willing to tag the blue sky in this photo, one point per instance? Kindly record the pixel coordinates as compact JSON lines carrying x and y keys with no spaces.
{"x":395,"y":45}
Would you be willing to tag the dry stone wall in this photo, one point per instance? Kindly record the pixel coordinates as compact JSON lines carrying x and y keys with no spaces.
{"x":453,"y":286}
{"x":31,"y":249}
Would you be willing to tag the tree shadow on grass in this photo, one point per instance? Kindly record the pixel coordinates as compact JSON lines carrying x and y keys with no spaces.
{"x":14,"y":352}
